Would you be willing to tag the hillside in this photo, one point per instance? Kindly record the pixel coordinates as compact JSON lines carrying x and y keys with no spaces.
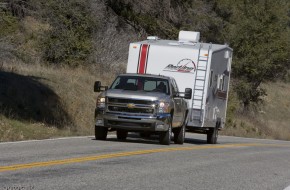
{"x":41,"y":102}
{"x":69,"y":100}
{"x":51,"y":52}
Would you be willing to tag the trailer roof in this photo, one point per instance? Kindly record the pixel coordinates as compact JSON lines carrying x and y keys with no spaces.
{"x":215,"y":47}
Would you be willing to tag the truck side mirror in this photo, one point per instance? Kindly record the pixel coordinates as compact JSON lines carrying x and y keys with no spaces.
{"x":97,"y":86}
{"x":188,"y":93}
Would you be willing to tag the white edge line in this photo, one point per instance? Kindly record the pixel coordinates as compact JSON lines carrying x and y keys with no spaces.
{"x":111,"y":135}
{"x":52,"y":139}
{"x":247,"y":138}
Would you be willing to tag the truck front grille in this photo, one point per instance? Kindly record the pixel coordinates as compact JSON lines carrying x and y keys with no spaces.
{"x":127,"y":101}
{"x":131,"y":110}
{"x":130,"y":106}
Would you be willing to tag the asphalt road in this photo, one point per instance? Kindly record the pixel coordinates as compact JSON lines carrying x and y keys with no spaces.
{"x":84,"y":163}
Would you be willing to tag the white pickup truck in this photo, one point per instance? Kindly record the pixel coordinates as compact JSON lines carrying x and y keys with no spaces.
{"x":142,"y":103}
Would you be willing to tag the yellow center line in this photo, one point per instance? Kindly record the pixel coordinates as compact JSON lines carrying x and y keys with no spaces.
{"x":121,"y":154}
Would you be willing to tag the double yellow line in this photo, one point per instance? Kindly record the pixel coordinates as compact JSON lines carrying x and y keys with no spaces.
{"x":116,"y":155}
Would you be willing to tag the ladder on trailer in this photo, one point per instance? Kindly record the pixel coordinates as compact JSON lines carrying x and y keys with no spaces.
{"x":199,"y":83}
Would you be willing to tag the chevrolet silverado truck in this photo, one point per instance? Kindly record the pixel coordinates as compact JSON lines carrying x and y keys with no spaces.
{"x":142,"y":103}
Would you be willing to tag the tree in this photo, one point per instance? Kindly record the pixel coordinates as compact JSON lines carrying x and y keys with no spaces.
{"x":258,"y":31}
{"x":69,"y":39}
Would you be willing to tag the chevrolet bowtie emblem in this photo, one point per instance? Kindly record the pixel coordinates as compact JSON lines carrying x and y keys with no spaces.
{"x":131,"y":105}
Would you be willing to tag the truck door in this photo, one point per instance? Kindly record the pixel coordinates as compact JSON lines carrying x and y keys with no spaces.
{"x":177,"y":115}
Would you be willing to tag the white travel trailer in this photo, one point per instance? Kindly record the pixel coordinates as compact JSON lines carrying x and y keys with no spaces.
{"x":204,"y":67}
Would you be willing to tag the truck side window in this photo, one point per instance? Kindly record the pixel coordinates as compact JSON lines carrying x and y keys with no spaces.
{"x":174,"y":87}
{"x":116,"y":83}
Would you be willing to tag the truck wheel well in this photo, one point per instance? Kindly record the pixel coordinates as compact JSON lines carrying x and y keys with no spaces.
{"x":171,"y":113}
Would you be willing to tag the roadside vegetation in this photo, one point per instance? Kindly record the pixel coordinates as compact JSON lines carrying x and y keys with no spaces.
{"x":268,"y":119}
{"x":39,"y":101}
{"x":51,"y":52}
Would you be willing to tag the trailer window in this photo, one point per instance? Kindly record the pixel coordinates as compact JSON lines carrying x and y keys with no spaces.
{"x":210,"y":78}
{"x":222,"y":82}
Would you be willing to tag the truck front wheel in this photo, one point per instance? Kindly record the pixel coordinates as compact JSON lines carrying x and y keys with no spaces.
{"x":101,"y":133}
{"x":165,"y":137}
{"x":179,"y":135}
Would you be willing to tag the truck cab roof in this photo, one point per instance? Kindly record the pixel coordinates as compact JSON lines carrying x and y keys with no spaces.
{"x":148,"y":75}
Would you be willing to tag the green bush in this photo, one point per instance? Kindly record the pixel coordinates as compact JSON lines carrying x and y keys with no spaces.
{"x":69,"y":39}
{"x":258,"y":31}
{"x":9,"y":24}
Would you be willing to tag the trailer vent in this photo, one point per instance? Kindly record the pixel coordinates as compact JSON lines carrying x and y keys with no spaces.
{"x":153,"y":38}
{"x":188,"y":36}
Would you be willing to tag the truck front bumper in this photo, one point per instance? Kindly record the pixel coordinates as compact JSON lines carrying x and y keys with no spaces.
{"x":133,"y":122}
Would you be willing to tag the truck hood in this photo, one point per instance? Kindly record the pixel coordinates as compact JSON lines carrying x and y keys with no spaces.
{"x":141,"y":95}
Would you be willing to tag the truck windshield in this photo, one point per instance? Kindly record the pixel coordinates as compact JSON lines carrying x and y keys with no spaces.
{"x":137,"y":83}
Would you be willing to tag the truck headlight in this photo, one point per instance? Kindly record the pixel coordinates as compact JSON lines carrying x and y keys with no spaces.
{"x":101,"y":102}
{"x":163,"y":107}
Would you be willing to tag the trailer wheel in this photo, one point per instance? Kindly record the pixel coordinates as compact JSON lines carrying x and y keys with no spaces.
{"x":101,"y":133}
{"x":179,"y":135}
{"x":212,"y":136}
{"x":165,"y":137}
{"x":122,"y":134}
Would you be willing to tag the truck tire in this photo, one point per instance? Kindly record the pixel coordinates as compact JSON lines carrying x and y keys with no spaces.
{"x":101,"y":133}
{"x":179,"y":135}
{"x":165,"y":137}
{"x":122,"y":134}
{"x":212,"y":136}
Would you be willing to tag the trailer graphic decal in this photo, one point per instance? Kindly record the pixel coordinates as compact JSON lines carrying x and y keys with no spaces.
{"x":143,"y":59}
{"x":183,"y":66}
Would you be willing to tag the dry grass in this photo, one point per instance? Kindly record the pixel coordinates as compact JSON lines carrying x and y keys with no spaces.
{"x":270,"y":120}
{"x":73,"y":86}
{"x":15,"y":130}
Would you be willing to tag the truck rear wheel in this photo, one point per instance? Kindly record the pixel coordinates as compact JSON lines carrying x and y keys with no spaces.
{"x":122,"y":134}
{"x":179,"y":135}
{"x":212,"y":136}
{"x":165,"y":137}
{"x":101,"y":133}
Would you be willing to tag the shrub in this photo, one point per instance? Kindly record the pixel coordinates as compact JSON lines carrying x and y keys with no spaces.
{"x":70,"y":38}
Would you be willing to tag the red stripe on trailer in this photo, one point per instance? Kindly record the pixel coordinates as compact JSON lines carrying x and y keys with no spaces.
{"x":147,"y":58}
{"x":139,"y":58}
{"x":143,"y":58}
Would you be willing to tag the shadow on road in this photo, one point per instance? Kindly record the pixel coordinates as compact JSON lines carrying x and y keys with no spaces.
{"x":26,"y":98}
{"x":153,"y":139}
{"x":194,"y":141}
